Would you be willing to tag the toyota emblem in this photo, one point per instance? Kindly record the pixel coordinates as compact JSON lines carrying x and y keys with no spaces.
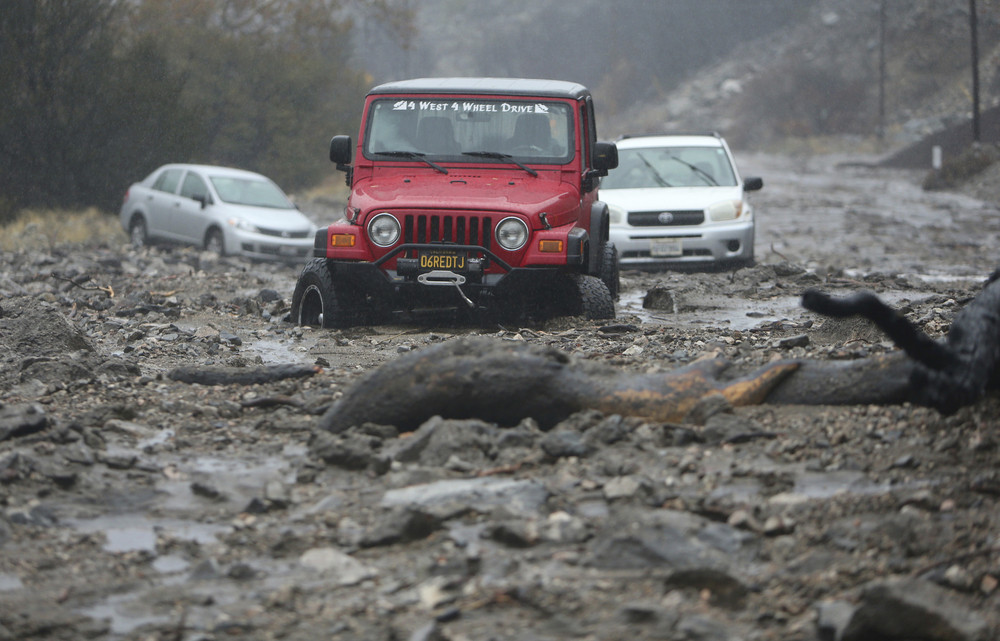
{"x":665,"y":217}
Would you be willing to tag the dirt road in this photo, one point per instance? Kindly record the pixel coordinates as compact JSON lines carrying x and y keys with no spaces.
{"x":136,"y":506}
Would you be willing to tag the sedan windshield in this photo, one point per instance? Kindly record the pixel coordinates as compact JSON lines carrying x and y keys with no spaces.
{"x":247,"y":191}
{"x":466,"y":129}
{"x":671,"y":167}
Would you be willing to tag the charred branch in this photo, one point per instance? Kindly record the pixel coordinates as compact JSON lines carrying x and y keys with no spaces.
{"x":239,"y":375}
{"x":505,"y":382}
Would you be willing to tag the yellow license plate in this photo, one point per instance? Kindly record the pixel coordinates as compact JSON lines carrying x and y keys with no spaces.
{"x":442,"y":261}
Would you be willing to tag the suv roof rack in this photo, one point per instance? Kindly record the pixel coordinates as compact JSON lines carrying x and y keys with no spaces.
{"x":716,"y":134}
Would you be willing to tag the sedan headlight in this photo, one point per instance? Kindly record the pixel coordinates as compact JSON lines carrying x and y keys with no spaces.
{"x":384,"y":229}
{"x":512,"y":233}
{"x":725,"y":210}
{"x":617,"y":215}
{"x":243,"y":225}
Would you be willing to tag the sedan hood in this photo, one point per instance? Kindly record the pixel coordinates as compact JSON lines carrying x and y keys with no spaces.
{"x":290,"y":220}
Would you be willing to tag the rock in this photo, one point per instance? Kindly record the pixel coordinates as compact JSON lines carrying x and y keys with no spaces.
{"x":21,"y":420}
{"x":905,"y":608}
{"x":343,"y":568}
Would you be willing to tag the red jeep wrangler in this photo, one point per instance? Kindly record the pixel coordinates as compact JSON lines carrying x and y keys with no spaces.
{"x":476,"y":194}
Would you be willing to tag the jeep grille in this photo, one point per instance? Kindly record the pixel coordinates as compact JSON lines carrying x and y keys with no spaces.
{"x":459,"y":228}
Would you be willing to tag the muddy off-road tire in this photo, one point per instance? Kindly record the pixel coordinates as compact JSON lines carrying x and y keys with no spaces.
{"x":317,"y":302}
{"x":595,"y":299}
{"x":609,"y":269}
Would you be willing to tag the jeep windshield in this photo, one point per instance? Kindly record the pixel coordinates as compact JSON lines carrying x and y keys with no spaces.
{"x":471,"y":130}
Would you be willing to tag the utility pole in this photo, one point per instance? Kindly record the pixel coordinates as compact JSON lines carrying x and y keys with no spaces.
{"x":881,"y":70}
{"x":973,"y":28}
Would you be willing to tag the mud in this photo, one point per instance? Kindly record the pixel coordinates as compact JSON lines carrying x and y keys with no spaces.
{"x":137,"y":506}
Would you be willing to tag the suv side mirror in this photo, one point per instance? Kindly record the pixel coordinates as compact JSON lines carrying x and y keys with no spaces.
{"x":340,"y":151}
{"x":605,"y":157}
{"x":753,"y":184}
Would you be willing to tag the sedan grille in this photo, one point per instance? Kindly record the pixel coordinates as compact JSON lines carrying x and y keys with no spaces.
{"x":458,"y":228}
{"x":284,"y":234}
{"x":677,"y":218}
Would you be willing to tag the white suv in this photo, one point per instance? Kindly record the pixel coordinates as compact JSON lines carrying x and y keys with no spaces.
{"x":678,"y":199}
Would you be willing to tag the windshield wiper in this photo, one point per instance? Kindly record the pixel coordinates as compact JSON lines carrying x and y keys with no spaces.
{"x":656,"y":175}
{"x":416,"y":155}
{"x":698,"y":170}
{"x":500,"y":156}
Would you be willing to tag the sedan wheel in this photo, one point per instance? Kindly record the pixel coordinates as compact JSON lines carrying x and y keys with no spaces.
{"x":214,"y":242}
{"x":137,"y":232}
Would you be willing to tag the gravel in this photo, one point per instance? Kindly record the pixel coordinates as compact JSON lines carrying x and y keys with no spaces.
{"x":137,"y":506}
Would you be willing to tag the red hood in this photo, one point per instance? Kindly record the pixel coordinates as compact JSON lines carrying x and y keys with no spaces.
{"x":468,"y":190}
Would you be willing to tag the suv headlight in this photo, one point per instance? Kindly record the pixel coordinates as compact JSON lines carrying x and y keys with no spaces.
{"x":512,"y":233}
{"x":725,"y":210}
{"x":617,"y":215}
{"x":383,"y":229}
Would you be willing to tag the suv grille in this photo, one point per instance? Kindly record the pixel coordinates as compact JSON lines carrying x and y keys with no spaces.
{"x":656,"y":218}
{"x":459,"y":228}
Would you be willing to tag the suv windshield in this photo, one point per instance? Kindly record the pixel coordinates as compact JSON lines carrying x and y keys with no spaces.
{"x":471,"y":130}
{"x":671,"y":167}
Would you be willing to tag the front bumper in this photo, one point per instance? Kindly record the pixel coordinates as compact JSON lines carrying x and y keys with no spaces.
{"x":714,"y":243}
{"x":267,"y":247}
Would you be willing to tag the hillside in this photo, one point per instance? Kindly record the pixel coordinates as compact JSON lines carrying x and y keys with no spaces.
{"x":821,"y":78}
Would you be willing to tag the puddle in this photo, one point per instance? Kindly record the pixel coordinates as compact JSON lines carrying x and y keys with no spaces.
{"x":137,"y":533}
{"x":10,"y":582}
{"x":721,"y":313}
{"x":124,"y":613}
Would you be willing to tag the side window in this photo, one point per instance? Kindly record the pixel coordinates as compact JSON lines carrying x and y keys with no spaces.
{"x":194,"y":187}
{"x":168,"y":180}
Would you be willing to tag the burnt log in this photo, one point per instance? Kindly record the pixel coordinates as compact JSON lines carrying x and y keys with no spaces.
{"x":505,"y":382}
{"x":946,"y":375}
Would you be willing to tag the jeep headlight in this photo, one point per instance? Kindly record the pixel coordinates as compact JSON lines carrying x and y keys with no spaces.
{"x":512,"y":233}
{"x":725,"y":210}
{"x":383,"y":229}
{"x":617,"y":215}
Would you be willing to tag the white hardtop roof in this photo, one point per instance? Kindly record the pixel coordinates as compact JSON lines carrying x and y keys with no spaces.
{"x":529,"y":87}
{"x":671,"y":140}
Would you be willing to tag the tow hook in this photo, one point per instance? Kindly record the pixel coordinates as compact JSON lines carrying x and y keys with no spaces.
{"x":442,"y":278}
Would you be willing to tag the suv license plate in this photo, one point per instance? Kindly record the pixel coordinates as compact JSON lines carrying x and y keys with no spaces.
{"x":665,"y":247}
{"x":442,"y":261}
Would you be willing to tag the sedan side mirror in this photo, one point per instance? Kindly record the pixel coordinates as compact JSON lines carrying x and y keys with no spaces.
{"x":753,"y":184}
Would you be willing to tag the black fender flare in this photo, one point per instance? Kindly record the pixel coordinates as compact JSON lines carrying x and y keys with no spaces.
{"x":600,"y":223}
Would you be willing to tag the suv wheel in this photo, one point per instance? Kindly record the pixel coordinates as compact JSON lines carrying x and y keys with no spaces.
{"x":608,"y":270}
{"x":595,"y":299}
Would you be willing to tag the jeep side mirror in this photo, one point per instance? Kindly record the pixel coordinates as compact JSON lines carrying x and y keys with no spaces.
{"x":340,"y":151}
{"x":753,"y":184}
{"x":605,"y":157}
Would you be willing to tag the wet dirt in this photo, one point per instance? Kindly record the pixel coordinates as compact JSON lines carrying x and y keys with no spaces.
{"x":138,"y":507}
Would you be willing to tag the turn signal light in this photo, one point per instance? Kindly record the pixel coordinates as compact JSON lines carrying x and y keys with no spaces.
{"x":342,"y":240}
{"x":551,"y":246}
